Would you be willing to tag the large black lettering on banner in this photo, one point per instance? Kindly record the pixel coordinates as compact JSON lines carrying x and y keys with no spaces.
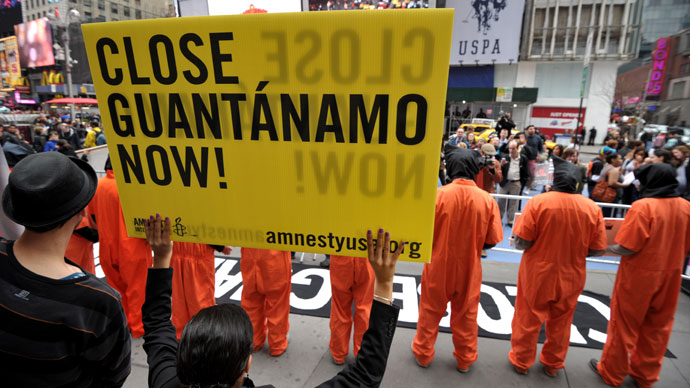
{"x":311,"y":295}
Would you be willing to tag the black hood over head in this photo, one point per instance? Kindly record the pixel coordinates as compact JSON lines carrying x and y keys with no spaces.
{"x":657,"y":180}
{"x":565,"y":176}
{"x":460,"y":162}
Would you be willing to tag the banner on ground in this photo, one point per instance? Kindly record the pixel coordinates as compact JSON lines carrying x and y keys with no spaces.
{"x":486,"y":31}
{"x":280,"y":131}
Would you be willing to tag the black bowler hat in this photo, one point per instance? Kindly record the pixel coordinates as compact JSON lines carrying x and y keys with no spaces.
{"x":48,"y":188}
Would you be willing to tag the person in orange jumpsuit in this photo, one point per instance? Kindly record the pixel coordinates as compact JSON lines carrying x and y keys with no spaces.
{"x":80,"y":247}
{"x":194,"y":280}
{"x":552,"y":275}
{"x":124,"y":259}
{"x":352,"y":280}
{"x":467,"y":221}
{"x":653,"y":242}
{"x":266,"y":280}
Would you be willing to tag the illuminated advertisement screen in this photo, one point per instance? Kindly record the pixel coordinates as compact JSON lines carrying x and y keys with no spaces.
{"x":10,"y":70}
{"x":237,"y":7}
{"x":344,"y":5}
{"x":35,"y":42}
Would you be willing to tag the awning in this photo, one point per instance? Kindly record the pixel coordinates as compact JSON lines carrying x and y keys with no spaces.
{"x":76,"y":101}
{"x":520,"y":95}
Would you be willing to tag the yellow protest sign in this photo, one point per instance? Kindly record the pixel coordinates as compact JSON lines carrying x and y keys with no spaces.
{"x":280,"y":131}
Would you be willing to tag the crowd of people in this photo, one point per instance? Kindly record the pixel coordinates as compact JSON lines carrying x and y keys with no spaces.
{"x":618,"y":158}
{"x":621,"y":158}
{"x":50,"y":133}
{"x":55,"y":299}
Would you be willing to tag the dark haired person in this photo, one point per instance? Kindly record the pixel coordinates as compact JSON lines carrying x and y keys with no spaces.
{"x":660,"y":155}
{"x":60,"y":325}
{"x":681,"y":162}
{"x":653,"y":242}
{"x":535,"y":144}
{"x":455,"y":272}
{"x":216,"y":345}
{"x":612,"y":173}
{"x":552,"y":276}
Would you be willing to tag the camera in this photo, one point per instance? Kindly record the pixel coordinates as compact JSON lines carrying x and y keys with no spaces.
{"x":486,"y":160}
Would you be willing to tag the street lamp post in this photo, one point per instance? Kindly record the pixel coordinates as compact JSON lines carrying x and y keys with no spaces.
{"x":72,"y":14}
{"x":68,"y":69}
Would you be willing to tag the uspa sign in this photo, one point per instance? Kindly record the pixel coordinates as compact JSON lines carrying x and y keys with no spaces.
{"x":486,"y":31}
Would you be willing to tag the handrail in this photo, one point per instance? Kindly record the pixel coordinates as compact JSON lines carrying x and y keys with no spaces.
{"x":524,"y":197}
{"x":589,"y":259}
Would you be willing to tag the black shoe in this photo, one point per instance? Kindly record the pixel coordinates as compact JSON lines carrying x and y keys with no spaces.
{"x":593,"y":364}
{"x":325,"y":263}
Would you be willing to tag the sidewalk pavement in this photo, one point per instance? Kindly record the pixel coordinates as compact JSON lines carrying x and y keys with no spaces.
{"x":307,"y":361}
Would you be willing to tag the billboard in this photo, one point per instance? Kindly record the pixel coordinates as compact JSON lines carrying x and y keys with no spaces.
{"x":553,"y":120}
{"x":10,"y":14}
{"x":238,"y":7}
{"x":10,"y":70}
{"x":35,"y":41}
{"x":486,"y":31}
{"x":344,"y":5}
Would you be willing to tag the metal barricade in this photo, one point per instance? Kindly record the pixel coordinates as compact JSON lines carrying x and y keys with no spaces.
{"x":623,"y":208}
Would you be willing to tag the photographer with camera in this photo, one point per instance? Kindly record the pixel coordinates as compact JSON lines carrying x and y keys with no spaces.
{"x":490,"y":173}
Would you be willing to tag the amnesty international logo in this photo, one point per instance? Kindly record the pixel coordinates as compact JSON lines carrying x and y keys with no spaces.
{"x":178,"y":228}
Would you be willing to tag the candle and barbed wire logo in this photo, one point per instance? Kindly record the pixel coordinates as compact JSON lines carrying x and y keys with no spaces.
{"x":178,"y":228}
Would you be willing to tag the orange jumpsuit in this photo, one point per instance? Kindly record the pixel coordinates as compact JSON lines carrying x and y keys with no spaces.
{"x":352,"y":280}
{"x":266,"y":279}
{"x":124,"y":259}
{"x":552,"y":273}
{"x":80,"y":249}
{"x":194,"y":281}
{"x":646,"y":291}
{"x":467,"y":218}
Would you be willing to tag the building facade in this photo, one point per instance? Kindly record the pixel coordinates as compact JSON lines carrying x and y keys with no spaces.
{"x":557,"y":38}
{"x":99,"y":10}
{"x":658,"y":86}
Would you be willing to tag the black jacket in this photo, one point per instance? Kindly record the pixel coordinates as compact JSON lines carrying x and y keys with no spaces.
{"x":524,"y":169}
{"x":160,"y":342}
{"x":72,"y":138}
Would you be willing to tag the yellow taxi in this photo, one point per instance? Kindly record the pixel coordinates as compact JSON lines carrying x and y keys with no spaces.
{"x":479,"y":125}
{"x":488,"y":132}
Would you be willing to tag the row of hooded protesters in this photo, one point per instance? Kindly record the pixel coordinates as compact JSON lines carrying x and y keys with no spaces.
{"x":457,"y":278}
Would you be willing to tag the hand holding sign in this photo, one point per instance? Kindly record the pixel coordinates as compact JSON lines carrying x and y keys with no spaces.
{"x":158,"y":238}
{"x":383,"y":262}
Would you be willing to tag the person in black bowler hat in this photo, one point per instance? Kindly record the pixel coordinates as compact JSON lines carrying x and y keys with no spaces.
{"x":59,"y":324}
